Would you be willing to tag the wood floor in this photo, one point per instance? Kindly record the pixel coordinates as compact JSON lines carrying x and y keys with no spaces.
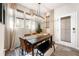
{"x":60,"y":51}
{"x":65,"y":51}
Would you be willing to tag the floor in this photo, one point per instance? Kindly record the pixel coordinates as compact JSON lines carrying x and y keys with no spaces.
{"x":60,"y":51}
{"x":65,"y":51}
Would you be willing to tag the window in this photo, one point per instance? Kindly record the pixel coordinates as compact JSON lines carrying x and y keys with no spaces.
{"x":30,"y":25}
{"x":19,"y":13}
{"x":19,"y":22}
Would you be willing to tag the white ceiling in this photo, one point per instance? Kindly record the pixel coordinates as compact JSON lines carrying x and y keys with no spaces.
{"x":44,"y":7}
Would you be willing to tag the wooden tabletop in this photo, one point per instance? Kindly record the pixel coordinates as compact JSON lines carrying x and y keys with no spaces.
{"x":34,"y":39}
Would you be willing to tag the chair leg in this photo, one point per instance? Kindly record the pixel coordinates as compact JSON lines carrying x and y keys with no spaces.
{"x":54,"y":47}
{"x":37,"y":53}
{"x":53,"y":43}
{"x":22,"y":51}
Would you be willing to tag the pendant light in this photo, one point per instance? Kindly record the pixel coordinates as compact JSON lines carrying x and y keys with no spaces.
{"x":38,"y":10}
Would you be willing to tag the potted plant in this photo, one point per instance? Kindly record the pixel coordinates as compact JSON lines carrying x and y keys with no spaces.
{"x":39,"y":30}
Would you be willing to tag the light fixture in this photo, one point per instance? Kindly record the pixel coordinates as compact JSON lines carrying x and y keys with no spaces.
{"x":38,"y":9}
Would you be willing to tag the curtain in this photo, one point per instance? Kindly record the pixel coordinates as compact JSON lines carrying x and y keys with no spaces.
{"x":10,"y":28}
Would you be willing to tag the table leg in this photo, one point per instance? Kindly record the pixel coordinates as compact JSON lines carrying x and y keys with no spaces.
{"x":51,"y":41}
{"x":22,"y":52}
{"x":32,"y":51}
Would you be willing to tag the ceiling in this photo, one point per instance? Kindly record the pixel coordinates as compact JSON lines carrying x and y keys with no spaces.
{"x":44,"y":7}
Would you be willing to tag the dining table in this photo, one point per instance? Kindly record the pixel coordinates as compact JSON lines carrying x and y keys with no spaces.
{"x":37,"y":39}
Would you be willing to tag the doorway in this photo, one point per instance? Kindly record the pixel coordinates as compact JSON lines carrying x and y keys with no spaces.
{"x":66,"y":29}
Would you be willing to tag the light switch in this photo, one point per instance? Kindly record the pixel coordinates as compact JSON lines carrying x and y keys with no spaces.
{"x":73,"y":28}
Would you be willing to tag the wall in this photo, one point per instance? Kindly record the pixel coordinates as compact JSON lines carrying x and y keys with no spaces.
{"x":66,"y":9}
{"x":78,"y":30}
{"x":51,"y":22}
{"x":2,"y":37}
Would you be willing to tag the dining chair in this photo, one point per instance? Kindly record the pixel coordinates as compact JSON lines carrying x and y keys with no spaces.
{"x":43,"y":48}
{"x":25,"y":46}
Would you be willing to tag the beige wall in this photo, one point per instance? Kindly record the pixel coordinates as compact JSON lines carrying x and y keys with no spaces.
{"x":50,"y":25}
{"x":2,"y":38}
{"x":51,"y":22}
{"x":78,"y":30}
